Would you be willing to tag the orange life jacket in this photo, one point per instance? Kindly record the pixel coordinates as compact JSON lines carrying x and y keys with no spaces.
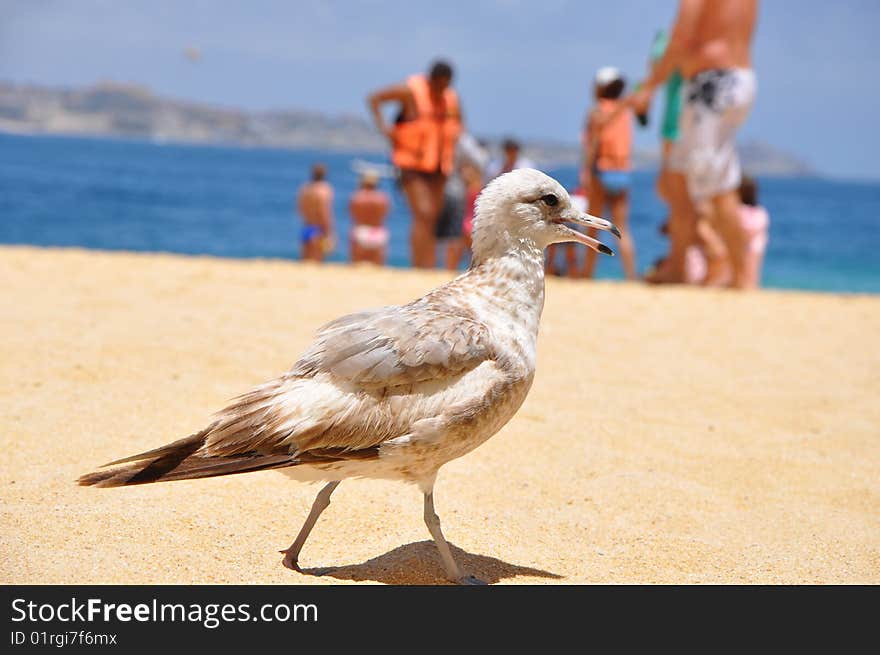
{"x":615,"y":138}
{"x":427,"y":142}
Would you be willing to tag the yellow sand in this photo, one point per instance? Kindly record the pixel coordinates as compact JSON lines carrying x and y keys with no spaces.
{"x":672,"y":435}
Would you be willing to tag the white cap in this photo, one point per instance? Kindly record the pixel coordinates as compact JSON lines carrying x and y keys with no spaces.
{"x":607,"y":74}
{"x":370,"y":176}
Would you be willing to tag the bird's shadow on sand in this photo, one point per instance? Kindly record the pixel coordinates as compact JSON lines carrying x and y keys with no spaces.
{"x":419,"y":563}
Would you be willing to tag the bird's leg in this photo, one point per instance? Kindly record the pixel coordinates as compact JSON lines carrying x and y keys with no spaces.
{"x":433,"y":523}
{"x":322,"y":500}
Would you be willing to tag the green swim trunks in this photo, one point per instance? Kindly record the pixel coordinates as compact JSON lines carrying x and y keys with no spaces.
{"x":672,"y":104}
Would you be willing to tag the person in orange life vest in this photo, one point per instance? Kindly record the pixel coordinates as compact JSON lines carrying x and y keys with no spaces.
{"x":423,"y":139}
{"x":607,"y":144}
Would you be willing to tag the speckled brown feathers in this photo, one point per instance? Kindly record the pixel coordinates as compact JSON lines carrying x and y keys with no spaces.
{"x":376,"y":356}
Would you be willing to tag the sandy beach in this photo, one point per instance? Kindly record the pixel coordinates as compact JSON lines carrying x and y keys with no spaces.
{"x":672,"y":435}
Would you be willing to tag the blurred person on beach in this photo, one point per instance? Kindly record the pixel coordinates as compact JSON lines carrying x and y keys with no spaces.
{"x":607,"y":140}
{"x":710,"y":45}
{"x":705,"y":255}
{"x":471,"y":159}
{"x":511,"y":159}
{"x":580,"y":200}
{"x":315,"y":206}
{"x":369,"y":207}
{"x":706,"y":258}
{"x":423,"y":138}
{"x":755,"y":222}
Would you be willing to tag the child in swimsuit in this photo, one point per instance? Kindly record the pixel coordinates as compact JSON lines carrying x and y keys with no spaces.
{"x":755,"y":223}
{"x":608,"y":145}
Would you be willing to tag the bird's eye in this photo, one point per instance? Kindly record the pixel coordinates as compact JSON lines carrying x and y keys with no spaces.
{"x":550,"y":200}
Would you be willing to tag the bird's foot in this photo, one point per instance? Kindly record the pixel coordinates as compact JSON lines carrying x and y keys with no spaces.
{"x":290,"y":561}
{"x":469,"y":580}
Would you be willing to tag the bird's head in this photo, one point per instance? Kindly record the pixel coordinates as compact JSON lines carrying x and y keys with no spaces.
{"x":526,"y":208}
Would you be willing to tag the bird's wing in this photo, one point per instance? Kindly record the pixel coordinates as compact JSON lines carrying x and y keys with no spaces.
{"x":350,"y":391}
{"x":396,"y":346}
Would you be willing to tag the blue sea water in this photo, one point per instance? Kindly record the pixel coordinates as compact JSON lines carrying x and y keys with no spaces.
{"x":236,"y":202}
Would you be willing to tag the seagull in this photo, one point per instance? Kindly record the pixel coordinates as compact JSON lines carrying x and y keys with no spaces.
{"x":397,"y":392}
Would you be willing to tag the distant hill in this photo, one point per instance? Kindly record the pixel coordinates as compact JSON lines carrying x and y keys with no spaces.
{"x":125,"y":110}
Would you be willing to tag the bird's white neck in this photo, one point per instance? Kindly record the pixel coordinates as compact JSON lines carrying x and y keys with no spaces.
{"x":520,"y":268}
{"x":495,"y":243}
{"x":511,"y":285}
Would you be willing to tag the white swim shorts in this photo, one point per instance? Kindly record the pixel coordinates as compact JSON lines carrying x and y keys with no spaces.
{"x":717,"y":102}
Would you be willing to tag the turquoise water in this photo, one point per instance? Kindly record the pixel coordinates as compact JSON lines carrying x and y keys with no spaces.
{"x":233,"y":202}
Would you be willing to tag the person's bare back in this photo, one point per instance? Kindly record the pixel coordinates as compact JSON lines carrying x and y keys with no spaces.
{"x":369,"y":207}
{"x":314,"y":202}
{"x":722,"y":35}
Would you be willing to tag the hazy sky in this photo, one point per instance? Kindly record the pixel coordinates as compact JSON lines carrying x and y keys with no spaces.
{"x":523,"y":67}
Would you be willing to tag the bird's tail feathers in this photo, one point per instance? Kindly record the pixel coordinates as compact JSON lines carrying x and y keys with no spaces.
{"x":179,"y":460}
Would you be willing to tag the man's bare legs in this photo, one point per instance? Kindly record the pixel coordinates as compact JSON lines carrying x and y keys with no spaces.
{"x":726,"y":220}
{"x":425,"y":197}
{"x":661,"y":186}
{"x":682,"y":229}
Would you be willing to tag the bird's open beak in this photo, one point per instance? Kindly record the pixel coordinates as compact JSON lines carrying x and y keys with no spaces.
{"x":586,"y":220}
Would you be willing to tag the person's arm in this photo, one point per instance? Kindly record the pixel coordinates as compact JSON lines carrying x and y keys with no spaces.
{"x":399,"y":93}
{"x":591,"y":140}
{"x":679,"y":43}
{"x":676,"y":50}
